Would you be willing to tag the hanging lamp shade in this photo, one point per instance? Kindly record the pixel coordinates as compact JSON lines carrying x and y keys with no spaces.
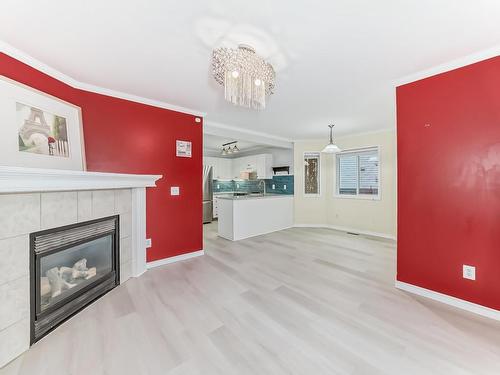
{"x":331,"y":148}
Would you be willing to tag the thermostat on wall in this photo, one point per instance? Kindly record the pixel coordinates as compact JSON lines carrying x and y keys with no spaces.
{"x":183,"y":149}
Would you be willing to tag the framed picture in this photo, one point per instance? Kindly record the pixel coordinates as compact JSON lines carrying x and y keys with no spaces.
{"x":38,"y":130}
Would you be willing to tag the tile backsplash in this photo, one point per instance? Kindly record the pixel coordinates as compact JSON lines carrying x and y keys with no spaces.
{"x":223,"y":186}
{"x":282,"y":184}
{"x":252,"y":186}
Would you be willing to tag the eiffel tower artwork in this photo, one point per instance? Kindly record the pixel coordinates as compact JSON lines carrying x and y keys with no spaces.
{"x":41,"y":132}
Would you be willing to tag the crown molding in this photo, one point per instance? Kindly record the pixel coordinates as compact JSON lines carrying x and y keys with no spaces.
{"x":44,"y":68}
{"x":350,"y":135}
{"x":450,"y":65}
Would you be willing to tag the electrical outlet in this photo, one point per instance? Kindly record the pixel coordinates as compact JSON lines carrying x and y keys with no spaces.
{"x":273,"y":187}
{"x":469,"y":272}
{"x":284,"y":187}
{"x":237,"y":186}
{"x":149,"y":243}
{"x":218,"y":186}
{"x":174,"y":190}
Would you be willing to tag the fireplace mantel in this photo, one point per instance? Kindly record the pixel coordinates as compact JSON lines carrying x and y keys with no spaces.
{"x":24,"y":180}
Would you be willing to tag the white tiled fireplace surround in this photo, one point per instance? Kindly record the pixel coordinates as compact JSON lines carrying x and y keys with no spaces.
{"x":35,"y":199}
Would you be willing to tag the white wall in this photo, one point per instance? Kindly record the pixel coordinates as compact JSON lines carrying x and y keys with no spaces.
{"x":360,"y":215}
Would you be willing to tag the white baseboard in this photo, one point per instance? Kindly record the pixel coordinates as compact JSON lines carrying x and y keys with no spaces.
{"x":174,"y":259}
{"x":347,"y":229}
{"x":449,"y":300}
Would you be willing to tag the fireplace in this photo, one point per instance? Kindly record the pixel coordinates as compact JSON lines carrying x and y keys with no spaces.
{"x":70,"y":267}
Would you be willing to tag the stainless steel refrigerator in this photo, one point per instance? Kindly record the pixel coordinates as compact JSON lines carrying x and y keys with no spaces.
{"x":207,"y":194}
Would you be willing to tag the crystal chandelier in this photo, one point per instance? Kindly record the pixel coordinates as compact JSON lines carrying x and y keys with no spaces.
{"x":247,"y":78}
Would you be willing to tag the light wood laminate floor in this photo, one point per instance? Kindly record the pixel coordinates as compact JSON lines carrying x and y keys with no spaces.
{"x":299,"y":301}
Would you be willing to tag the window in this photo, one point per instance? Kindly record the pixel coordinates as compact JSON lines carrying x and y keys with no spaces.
{"x":358,"y":172}
{"x":311,"y":173}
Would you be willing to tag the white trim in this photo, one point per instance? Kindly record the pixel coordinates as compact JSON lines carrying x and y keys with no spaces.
{"x":449,"y":300}
{"x":174,"y":259}
{"x":347,"y":229}
{"x":320,"y":182}
{"x":138,"y":231}
{"x":366,"y":197}
{"x":21,"y":180}
{"x":450,"y":65}
{"x":44,"y":68}
{"x":363,"y":197}
{"x":349,"y":135}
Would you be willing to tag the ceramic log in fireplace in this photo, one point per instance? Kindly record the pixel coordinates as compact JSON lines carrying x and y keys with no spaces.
{"x":70,"y":267}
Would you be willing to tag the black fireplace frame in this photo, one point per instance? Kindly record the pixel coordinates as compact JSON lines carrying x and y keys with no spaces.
{"x":35,"y":298}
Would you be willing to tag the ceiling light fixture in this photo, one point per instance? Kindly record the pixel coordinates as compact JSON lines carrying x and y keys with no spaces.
{"x":331,"y":148}
{"x":229,"y":149}
{"x":247,"y":78}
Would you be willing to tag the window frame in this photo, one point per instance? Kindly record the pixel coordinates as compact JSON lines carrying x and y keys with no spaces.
{"x":320,"y":187}
{"x":336,"y":175}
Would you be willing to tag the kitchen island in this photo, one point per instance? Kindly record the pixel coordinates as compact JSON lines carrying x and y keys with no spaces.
{"x":252,"y":215}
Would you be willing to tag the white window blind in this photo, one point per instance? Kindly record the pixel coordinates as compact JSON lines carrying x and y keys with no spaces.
{"x":358,"y":172}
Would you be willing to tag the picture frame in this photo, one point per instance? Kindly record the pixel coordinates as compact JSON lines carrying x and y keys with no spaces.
{"x":38,"y":130}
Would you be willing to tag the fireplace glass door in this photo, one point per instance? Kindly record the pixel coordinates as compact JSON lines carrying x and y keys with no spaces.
{"x":63,"y":273}
{"x":71,"y":266}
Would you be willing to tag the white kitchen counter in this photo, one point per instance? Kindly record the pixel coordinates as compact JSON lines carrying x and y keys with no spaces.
{"x":249,"y":196}
{"x":248,"y":216}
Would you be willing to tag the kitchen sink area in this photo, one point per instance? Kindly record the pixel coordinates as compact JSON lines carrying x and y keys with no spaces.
{"x":248,"y":192}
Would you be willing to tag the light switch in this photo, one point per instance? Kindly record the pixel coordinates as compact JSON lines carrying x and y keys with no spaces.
{"x":274,"y":186}
{"x":469,"y":272}
{"x":284,"y":187}
{"x":174,"y":190}
{"x":148,"y":243}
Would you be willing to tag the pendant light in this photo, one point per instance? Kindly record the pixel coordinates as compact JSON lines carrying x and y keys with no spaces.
{"x":331,"y":148}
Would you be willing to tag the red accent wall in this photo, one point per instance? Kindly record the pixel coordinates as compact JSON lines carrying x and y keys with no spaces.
{"x":448,"y":129}
{"x":128,"y":137}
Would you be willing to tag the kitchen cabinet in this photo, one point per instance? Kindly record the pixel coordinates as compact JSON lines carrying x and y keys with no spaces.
{"x":245,"y":217}
{"x":241,"y":164}
{"x":261,"y":163}
{"x":221,"y":167}
{"x":217,"y":197}
{"x":226,"y":169}
{"x":264,"y":166}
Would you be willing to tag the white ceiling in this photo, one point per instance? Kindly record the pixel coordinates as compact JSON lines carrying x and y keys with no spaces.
{"x":336,"y":60}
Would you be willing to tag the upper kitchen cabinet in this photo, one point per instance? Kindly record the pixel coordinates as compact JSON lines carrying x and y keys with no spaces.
{"x":225,"y":168}
{"x":261,"y":163}
{"x":264,"y":166}
{"x":243,"y":164}
{"x":221,"y":167}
